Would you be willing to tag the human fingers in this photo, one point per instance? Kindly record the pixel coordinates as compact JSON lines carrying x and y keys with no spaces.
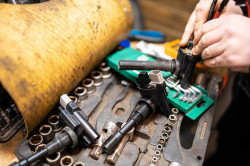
{"x":206,"y":40}
{"x":212,"y":51}
{"x":201,"y":11}
{"x":189,"y":29}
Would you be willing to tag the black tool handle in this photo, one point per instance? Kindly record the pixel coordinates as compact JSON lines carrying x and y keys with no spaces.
{"x":148,"y":65}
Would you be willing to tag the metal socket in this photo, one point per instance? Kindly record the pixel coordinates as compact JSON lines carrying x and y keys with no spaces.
{"x":79,"y":164}
{"x":162,"y":141}
{"x":97,"y":76}
{"x":158,"y":153}
{"x":167,"y":129}
{"x":105,"y":69}
{"x":54,"y":121}
{"x":66,"y":161}
{"x":165,"y":136}
{"x":155,"y":160}
{"x":35,"y":140}
{"x":40,"y":147}
{"x":159,"y":147}
{"x":47,"y":133}
{"x":172,"y":118}
{"x":175,"y":111}
{"x":73,"y":98}
{"x":54,"y":159}
{"x":81,"y":93}
{"x":88,"y":83}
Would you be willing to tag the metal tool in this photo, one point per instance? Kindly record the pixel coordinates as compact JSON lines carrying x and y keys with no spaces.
{"x":108,"y":129}
{"x":153,"y":97}
{"x":54,"y":159}
{"x":183,"y":66}
{"x":78,"y":129}
{"x":66,"y":161}
{"x":66,"y":139}
{"x":55,"y":123}
{"x":112,"y":158}
{"x":76,"y":119}
{"x":47,"y":133}
{"x":35,"y":140}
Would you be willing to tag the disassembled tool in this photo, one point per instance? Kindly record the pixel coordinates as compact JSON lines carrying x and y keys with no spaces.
{"x":108,"y":129}
{"x":183,"y":66}
{"x":153,"y":97}
{"x":186,"y":100}
{"x":78,"y":129}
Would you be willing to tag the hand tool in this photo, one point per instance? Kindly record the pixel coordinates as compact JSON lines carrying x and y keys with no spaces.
{"x":76,"y":119}
{"x":67,"y":138}
{"x":153,"y":97}
{"x":78,"y":129}
{"x":148,"y":36}
{"x":108,"y":129}
{"x":183,"y":66}
{"x":193,"y":110}
{"x":112,"y":158}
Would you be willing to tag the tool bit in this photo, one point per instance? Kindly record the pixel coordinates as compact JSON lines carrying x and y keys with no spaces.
{"x":154,"y":97}
{"x":111,"y":159}
{"x":108,"y":129}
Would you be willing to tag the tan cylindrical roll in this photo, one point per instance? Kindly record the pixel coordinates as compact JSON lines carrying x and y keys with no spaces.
{"x":46,"y":49}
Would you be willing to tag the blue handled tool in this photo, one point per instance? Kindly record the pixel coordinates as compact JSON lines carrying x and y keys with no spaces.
{"x":148,"y":36}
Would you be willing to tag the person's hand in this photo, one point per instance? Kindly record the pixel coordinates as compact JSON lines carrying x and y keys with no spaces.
{"x":225,"y":43}
{"x":199,"y":17}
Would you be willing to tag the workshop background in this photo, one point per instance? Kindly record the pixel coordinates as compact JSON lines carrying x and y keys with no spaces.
{"x":169,"y":17}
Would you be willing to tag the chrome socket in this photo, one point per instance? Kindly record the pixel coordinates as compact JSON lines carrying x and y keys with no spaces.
{"x":40,"y":147}
{"x":159,"y":147}
{"x":175,"y":111}
{"x":167,"y":129}
{"x":54,"y":159}
{"x":171,"y":119}
{"x":158,"y":153}
{"x":35,"y":140}
{"x":88,"y":83}
{"x":66,"y":161}
{"x":73,"y":98}
{"x":105,"y":69}
{"x":97,"y":76}
{"x":79,"y":164}
{"x":47,"y":133}
{"x":155,"y":160}
{"x":54,"y":121}
{"x":81,"y":93}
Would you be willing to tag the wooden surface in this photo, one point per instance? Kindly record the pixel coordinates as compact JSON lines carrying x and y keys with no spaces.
{"x":167,"y":16}
{"x":46,"y":49}
{"x":7,"y":155}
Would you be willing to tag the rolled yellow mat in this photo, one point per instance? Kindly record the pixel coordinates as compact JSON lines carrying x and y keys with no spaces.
{"x":46,"y":49}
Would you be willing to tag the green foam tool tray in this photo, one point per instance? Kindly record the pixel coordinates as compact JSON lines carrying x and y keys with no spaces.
{"x":191,"y":110}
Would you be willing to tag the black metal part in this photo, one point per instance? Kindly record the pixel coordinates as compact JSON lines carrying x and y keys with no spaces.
{"x":148,"y":65}
{"x":76,"y":119}
{"x":183,"y":66}
{"x":11,"y":122}
{"x":153,"y":97}
{"x":187,"y":63}
{"x":59,"y":143}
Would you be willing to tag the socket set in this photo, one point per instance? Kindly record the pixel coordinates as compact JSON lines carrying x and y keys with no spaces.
{"x":106,"y":100}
